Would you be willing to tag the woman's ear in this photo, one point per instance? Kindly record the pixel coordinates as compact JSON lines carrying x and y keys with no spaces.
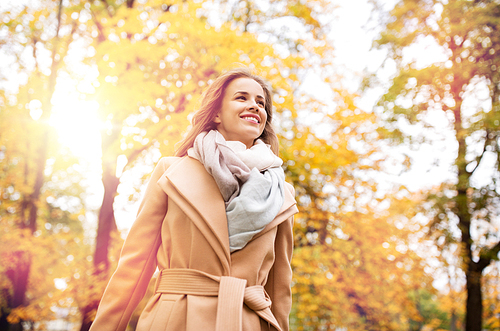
{"x":217,"y":119}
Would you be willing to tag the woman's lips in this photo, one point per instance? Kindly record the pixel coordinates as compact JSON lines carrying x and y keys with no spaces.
{"x":251,"y":118}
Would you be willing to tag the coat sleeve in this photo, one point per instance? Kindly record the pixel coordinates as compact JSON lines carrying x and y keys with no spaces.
{"x":279,"y":282}
{"x":137,"y":261}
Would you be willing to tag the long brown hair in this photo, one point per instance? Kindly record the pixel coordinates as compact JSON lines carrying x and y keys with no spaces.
{"x":203,"y":119}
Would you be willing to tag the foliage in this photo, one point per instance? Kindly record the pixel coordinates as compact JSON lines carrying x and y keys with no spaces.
{"x":491,"y":297}
{"x":359,"y":276}
{"x":431,"y":316}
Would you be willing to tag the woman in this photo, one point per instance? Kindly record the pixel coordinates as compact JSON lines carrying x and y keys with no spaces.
{"x":216,"y":220}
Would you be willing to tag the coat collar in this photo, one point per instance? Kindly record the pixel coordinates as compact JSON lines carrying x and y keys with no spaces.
{"x":197,"y":187}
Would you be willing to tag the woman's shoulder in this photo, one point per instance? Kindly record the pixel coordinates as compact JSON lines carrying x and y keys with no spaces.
{"x":290,"y":188}
{"x":167,"y":161}
{"x":164,"y":163}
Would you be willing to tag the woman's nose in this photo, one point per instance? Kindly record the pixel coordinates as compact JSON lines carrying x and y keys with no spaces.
{"x":253,"y":106}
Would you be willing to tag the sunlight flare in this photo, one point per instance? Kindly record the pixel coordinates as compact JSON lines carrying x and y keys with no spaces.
{"x":77,"y":124}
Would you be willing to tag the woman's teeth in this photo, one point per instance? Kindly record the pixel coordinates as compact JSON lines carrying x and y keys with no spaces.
{"x":251,"y":119}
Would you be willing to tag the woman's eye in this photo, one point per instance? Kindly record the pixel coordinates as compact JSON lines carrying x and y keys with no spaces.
{"x":241,"y":98}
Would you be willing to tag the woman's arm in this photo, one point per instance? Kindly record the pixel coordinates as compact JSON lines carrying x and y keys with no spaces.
{"x":279,"y":282}
{"x":137,"y":261}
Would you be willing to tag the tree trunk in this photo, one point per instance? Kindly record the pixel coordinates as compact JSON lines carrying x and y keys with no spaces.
{"x":453,"y":321}
{"x":474,"y":306}
{"x":106,"y":221}
{"x":86,"y":313}
{"x":106,"y":224}
{"x":18,"y":276}
{"x":3,"y":320}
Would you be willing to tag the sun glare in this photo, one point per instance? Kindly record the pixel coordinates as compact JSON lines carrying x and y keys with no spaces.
{"x":77,"y":124}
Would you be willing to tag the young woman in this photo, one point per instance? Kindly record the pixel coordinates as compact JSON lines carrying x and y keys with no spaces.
{"x":217,"y":222}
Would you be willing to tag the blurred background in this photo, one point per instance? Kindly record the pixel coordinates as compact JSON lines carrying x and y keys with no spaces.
{"x":388,"y":114}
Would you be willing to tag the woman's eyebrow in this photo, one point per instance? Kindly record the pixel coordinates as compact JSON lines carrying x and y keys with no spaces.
{"x":246,"y":93}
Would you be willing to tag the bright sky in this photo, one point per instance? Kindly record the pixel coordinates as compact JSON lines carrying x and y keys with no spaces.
{"x":353,"y":42}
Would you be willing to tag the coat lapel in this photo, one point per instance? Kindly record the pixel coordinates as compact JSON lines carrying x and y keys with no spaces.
{"x":199,"y":190}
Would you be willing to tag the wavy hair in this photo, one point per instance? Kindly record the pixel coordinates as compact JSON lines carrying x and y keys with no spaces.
{"x":203,"y":119}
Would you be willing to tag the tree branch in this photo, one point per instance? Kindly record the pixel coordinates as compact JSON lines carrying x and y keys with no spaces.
{"x":487,"y":255}
{"x":488,"y":140}
{"x":100,"y":28}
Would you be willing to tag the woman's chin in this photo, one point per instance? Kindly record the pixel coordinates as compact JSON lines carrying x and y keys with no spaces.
{"x":247,"y":139}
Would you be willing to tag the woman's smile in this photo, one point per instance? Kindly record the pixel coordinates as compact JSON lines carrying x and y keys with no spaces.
{"x":251,"y":118}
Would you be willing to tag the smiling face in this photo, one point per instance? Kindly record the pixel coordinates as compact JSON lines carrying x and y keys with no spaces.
{"x":242,"y":116}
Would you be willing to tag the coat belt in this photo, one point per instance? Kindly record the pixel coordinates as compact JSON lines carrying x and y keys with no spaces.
{"x":232,"y":292}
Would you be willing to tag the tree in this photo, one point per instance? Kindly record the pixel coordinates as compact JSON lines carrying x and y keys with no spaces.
{"x":28,"y":33}
{"x":32,"y":260}
{"x":463,"y":84}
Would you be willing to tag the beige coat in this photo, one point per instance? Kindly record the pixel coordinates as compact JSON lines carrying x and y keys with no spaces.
{"x":181,"y":228}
